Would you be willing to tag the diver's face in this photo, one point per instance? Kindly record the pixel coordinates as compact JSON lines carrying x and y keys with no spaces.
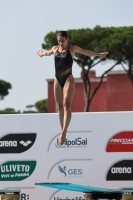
{"x":62,"y":41}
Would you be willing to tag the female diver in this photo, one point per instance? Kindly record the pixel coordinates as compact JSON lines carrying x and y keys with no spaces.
{"x":64,"y":82}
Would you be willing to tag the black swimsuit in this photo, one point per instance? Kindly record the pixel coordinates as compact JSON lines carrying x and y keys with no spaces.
{"x":63,"y":66}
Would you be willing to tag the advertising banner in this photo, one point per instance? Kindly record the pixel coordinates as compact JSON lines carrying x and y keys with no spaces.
{"x":98,"y":153}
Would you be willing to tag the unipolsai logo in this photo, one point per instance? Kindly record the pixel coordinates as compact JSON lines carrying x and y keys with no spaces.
{"x":75,"y":143}
{"x":71,"y":172}
{"x":17,"y":143}
{"x":16,"y":170}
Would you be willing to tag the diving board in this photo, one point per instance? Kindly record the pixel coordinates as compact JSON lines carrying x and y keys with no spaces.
{"x":82,"y":188}
{"x":96,"y":193}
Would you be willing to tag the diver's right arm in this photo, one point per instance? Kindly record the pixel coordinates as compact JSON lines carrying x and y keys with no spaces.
{"x":46,"y":53}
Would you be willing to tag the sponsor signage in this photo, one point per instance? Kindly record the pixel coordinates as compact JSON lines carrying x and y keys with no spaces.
{"x":74,"y":143}
{"x":17,"y":143}
{"x":16,"y":170}
{"x":121,"y":142}
{"x":121,"y":171}
{"x":71,"y":172}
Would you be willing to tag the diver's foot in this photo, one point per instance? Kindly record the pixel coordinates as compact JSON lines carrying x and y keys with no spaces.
{"x":62,"y":139}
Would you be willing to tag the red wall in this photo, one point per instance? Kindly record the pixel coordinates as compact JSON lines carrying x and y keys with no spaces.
{"x":115,"y":94}
{"x":51,"y":101}
{"x":99,"y":102}
{"x":78,"y":99}
{"x":119,"y":93}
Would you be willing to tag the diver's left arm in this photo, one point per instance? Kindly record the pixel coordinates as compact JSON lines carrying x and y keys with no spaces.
{"x":89,"y":53}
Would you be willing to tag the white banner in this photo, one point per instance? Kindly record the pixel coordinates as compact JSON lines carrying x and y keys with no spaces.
{"x":98,"y":152}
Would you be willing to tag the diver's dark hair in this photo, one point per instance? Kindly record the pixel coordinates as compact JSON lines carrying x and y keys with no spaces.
{"x":63,"y":34}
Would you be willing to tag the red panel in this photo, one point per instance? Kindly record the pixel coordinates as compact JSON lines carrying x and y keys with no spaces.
{"x":121,"y":142}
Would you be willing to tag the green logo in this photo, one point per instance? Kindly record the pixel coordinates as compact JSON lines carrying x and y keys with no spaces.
{"x":16,"y":170}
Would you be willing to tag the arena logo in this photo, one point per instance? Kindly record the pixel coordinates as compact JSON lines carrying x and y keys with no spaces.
{"x":17,"y":143}
{"x":121,"y":171}
{"x":121,"y":142}
{"x":71,"y":172}
{"x":16,"y":170}
{"x":76,"y":143}
{"x":8,"y":143}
